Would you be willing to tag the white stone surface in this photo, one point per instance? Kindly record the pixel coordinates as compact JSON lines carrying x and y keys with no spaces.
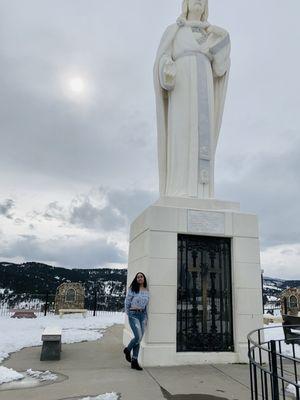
{"x":242,"y":350}
{"x":165,"y":355}
{"x":246,"y":250}
{"x":162,"y":328}
{"x":139,"y":247}
{"x":162,"y":271}
{"x":190,"y":85}
{"x":247,"y":275}
{"x":248,"y":301}
{"x":245,"y":225}
{"x":228,"y":224}
{"x":206,"y":222}
{"x":163,"y":244}
{"x":247,"y":323}
{"x":161,"y":217}
{"x":153,"y":250}
{"x":163,"y":299}
{"x":197,"y":204}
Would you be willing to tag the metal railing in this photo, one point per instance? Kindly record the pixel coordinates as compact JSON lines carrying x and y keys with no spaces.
{"x":274,"y":365}
{"x":44,"y":303}
{"x":273,"y":310}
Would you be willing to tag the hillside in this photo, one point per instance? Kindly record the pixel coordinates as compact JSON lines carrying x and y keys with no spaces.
{"x":21,"y":282}
{"x":33,"y":280}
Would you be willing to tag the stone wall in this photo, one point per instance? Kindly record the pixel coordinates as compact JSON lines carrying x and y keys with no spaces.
{"x":69,"y":296}
{"x":292,"y":295}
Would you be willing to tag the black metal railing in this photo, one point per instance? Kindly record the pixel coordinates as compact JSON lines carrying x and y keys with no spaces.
{"x":39,"y":303}
{"x":44,"y":303}
{"x":272,"y":310}
{"x":274,"y":364}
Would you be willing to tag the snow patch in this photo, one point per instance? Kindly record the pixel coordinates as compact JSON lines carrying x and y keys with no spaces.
{"x":8,"y":291}
{"x":16,"y":334}
{"x":106,"y":396}
{"x":42,"y":375}
{"x":291,"y":389}
{"x":9,"y":375}
{"x":272,"y":298}
{"x":272,"y":288}
{"x":276,"y":333}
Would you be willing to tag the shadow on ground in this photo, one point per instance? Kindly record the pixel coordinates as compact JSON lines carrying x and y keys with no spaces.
{"x":169,"y":396}
{"x":85,"y":396}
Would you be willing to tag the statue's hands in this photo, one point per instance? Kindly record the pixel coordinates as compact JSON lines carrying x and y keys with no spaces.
{"x":169,"y":72}
{"x":206,"y":51}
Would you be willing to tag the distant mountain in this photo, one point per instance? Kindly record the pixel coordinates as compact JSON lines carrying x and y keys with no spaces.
{"x":22,"y":282}
{"x":33,"y":280}
{"x":273,"y":287}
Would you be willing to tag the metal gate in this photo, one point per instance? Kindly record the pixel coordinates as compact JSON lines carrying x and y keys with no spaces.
{"x":204,"y":294}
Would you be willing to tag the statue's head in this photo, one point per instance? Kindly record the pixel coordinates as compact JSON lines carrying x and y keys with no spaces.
{"x":189,"y":5}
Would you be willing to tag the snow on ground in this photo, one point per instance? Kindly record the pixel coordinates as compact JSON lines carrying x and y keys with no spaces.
{"x":276,"y":333}
{"x":42,"y":375}
{"x":291,"y":389}
{"x":15,"y":334}
{"x":272,"y":287}
{"x":9,"y":375}
{"x":272,"y":298}
{"x":272,"y":312}
{"x":107,"y":396}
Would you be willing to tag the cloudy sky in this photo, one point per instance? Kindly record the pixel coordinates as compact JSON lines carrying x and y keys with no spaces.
{"x":78,"y":132}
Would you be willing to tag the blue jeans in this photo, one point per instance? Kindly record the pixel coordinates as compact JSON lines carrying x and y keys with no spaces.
{"x":137,"y":322}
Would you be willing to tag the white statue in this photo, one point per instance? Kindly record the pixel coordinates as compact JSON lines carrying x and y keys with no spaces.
{"x":190,"y":74}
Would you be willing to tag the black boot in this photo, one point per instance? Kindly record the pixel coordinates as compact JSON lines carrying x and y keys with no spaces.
{"x":127,"y":354}
{"x":135,"y":365}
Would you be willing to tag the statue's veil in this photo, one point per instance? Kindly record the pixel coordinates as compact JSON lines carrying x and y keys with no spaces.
{"x":185,"y":10}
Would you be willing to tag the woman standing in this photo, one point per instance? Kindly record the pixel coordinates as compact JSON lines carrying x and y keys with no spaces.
{"x":136,"y":303}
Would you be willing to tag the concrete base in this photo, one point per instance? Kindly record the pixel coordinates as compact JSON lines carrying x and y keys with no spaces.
{"x":153,"y":250}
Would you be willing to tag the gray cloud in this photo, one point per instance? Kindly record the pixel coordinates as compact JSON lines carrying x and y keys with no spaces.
{"x":59,"y":146}
{"x":268,"y":183}
{"x":88,"y":216}
{"x":6,"y":208}
{"x":101,"y":209}
{"x":64,"y":138}
{"x":55,"y":211}
{"x":65,"y":252}
{"x":131,"y":203}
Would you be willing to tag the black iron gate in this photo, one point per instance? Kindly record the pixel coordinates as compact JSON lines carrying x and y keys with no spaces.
{"x":204,"y":298}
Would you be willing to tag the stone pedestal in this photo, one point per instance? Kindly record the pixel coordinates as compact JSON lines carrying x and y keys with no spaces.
{"x":153,"y":250}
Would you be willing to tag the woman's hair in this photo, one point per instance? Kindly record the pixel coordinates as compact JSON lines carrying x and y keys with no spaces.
{"x":185,"y":10}
{"x":135,"y":287}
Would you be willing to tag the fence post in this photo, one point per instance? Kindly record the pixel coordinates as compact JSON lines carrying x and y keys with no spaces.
{"x":275,"y":386}
{"x":95,"y":303}
{"x":46,"y":304}
{"x":285,"y":306}
{"x":262,"y":290}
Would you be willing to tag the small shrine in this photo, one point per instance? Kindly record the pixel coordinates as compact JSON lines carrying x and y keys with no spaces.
{"x":69,"y":296}
{"x":290,"y":297}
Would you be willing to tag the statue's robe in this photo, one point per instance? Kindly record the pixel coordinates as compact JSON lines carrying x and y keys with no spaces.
{"x":189,"y":110}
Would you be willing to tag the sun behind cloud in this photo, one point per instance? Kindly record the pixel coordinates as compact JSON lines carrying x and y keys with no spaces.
{"x":76,"y":87}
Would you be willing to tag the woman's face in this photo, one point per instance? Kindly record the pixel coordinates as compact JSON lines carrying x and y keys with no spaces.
{"x":140,"y":279}
{"x":197,"y":6}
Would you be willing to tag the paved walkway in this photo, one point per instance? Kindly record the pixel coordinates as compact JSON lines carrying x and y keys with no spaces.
{"x":95,"y":368}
